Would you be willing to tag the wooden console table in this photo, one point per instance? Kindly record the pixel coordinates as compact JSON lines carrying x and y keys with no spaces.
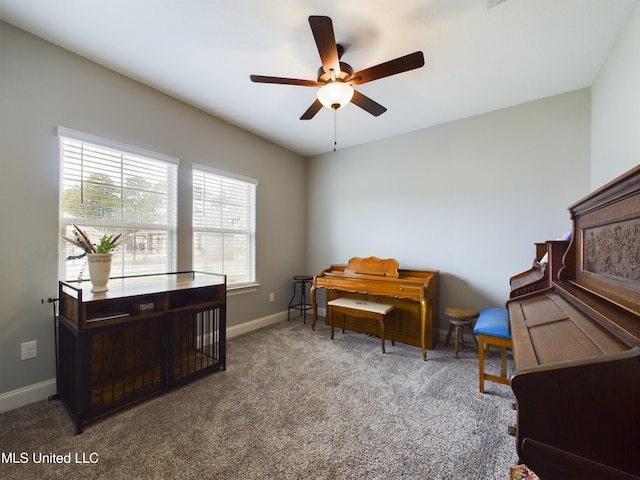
{"x":146,"y":334}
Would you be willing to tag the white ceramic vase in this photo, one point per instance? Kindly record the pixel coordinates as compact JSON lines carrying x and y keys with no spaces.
{"x":99,"y":270}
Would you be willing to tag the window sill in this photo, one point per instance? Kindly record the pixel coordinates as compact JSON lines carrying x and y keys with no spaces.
{"x":241,"y":289}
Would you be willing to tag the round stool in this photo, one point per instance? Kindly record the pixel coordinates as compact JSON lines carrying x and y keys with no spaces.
{"x":302,"y":306}
{"x":460,"y":317}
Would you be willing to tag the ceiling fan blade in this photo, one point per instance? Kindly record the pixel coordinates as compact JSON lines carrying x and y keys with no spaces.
{"x":392,"y":67}
{"x":312,"y":110}
{"x":284,"y":81}
{"x":364,"y":102}
{"x":322,"y":29}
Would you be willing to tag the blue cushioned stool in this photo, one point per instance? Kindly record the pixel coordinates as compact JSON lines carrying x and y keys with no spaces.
{"x":492,"y":329}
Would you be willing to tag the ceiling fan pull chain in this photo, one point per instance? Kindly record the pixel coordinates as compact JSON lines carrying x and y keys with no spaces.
{"x":335,"y":128}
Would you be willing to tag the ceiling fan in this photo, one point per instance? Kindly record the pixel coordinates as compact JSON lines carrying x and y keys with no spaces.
{"x":336,"y":79}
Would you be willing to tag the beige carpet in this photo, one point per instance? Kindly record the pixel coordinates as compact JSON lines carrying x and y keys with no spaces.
{"x":292,"y":404}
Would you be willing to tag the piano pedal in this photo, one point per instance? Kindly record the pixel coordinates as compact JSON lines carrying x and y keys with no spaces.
{"x":512,"y":430}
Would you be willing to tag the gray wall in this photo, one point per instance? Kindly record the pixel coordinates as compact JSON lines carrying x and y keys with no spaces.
{"x":43,"y":86}
{"x":616,"y":108}
{"x":468,"y":198}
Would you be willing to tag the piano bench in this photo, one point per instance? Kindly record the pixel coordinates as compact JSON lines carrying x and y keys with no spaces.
{"x":362,"y":309}
{"x":492,"y":329}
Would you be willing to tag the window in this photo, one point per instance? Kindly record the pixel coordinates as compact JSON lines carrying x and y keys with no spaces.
{"x":224,"y":232}
{"x":111,"y":188}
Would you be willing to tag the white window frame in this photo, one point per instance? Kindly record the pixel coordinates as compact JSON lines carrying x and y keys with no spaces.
{"x":249,"y":231}
{"x":123,"y":224}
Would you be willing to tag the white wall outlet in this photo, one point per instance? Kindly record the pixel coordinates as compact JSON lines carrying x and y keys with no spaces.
{"x":29,"y":350}
{"x":272,"y":297}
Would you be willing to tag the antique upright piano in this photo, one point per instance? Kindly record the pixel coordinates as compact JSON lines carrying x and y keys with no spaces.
{"x":576,"y":346}
{"x":414,"y":293}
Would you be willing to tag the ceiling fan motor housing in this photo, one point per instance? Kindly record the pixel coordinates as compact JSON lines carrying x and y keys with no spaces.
{"x":343,"y":75}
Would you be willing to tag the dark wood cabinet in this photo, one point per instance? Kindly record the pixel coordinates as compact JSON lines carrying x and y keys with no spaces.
{"x":146,"y":334}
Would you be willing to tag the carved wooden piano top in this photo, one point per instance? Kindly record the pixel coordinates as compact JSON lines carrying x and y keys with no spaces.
{"x":545,"y":268}
{"x":373,"y":266}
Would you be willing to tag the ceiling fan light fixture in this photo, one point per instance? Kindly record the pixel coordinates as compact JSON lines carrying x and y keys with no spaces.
{"x":335,"y":94}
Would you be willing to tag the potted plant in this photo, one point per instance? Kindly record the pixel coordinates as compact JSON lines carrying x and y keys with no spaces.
{"x":98,"y":255}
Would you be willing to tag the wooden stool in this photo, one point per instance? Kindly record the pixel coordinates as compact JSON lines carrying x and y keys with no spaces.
{"x":460,"y":317}
{"x":302,"y":306}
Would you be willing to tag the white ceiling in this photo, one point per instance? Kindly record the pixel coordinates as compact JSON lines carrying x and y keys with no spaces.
{"x":478,"y":57}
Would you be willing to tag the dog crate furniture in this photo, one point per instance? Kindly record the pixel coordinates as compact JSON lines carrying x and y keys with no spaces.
{"x":145,"y":335}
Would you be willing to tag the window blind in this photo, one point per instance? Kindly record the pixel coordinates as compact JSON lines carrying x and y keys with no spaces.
{"x":110,"y":188}
{"x":224,"y":211}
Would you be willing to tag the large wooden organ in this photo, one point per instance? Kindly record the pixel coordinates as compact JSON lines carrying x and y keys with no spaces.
{"x":414,"y":294}
{"x":576,"y":345}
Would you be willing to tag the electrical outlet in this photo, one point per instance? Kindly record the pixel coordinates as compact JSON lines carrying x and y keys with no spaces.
{"x":272,"y":297}
{"x":29,"y":350}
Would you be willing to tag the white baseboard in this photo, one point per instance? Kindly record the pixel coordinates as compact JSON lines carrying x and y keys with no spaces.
{"x":43,"y":390}
{"x":26,"y":395}
{"x":255,"y":324}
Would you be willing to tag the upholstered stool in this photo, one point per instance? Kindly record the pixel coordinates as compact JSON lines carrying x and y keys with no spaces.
{"x":363,"y":309}
{"x":492,"y":329}
{"x":301,"y":281}
{"x":460,"y":317}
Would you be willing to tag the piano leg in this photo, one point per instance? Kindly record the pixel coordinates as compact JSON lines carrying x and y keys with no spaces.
{"x":424,"y":305}
{"x":314,"y":306}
